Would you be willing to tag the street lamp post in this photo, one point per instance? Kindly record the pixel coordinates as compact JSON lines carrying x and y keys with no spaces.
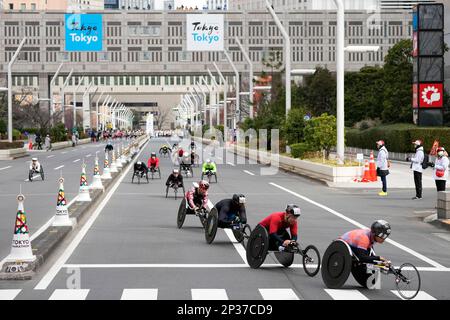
{"x":96,"y":110}
{"x":10,"y":64}
{"x":250,"y":81}
{"x":87,"y":122}
{"x":52,"y":83}
{"x":63,"y":101}
{"x":210,"y":100}
{"x":203,"y":93}
{"x":238,"y":81}
{"x":217,"y":95}
{"x":225,"y":90}
{"x":103,"y":112}
{"x":287,"y":55}
{"x":75,"y":101}
{"x":340,"y":60}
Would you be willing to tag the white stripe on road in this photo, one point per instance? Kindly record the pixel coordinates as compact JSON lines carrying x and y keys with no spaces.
{"x":64,"y":152}
{"x":342,"y":294}
{"x":88,"y":155}
{"x":209,"y":294}
{"x":34,"y":177}
{"x":248,"y":172}
{"x":4,"y":168}
{"x":50,"y":156}
{"x":278,"y":294}
{"x":239,"y":247}
{"x":9,"y":294}
{"x":139,"y":294}
{"x":231,"y":164}
{"x":59,"y":167}
{"x":359,"y":225}
{"x":69,"y":294}
{"x":76,"y":160}
{"x":422,"y":295}
{"x":51,"y":274}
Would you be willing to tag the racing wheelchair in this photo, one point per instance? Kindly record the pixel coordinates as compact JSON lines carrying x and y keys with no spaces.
{"x":153,"y":171}
{"x":139,"y":175}
{"x":210,"y":174}
{"x":185,"y":209}
{"x":195,"y":159}
{"x":186,"y":170}
{"x":258,"y":248}
{"x":165,"y":151}
{"x":175,"y":188}
{"x":32,"y":172}
{"x":339,"y":261}
{"x":240,"y":231}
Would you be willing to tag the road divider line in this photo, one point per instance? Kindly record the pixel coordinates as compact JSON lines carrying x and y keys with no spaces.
{"x":59,"y":167}
{"x":139,"y":294}
{"x":51,"y":156}
{"x":4,"y":168}
{"x":209,"y":294}
{"x":9,"y":294}
{"x":76,"y":160}
{"x":51,"y":274}
{"x":359,"y":225}
{"x":239,"y":247}
{"x":69,"y":294}
{"x":231,"y":164}
{"x":34,"y":177}
{"x":422,"y":295}
{"x":345,"y":294}
{"x":278,"y":294}
{"x":64,"y":152}
{"x":88,"y":155}
{"x":248,"y":172}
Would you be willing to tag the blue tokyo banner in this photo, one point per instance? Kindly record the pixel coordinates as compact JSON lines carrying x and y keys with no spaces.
{"x":84,"y":32}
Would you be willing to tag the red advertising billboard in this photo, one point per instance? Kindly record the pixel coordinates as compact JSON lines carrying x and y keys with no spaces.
{"x":431,"y":95}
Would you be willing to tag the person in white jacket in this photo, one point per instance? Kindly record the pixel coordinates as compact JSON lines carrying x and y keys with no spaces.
{"x":416,"y":167}
{"x":382,"y":166}
{"x":440,"y":173}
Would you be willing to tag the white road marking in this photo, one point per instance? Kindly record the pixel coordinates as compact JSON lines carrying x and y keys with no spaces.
{"x":342,"y":294}
{"x":422,"y":295}
{"x":59,"y":167}
{"x":248,"y":172}
{"x":359,"y":225}
{"x":4,"y":168}
{"x":139,"y":294}
{"x":34,"y":177}
{"x":76,"y":160}
{"x":69,"y":294}
{"x":64,"y":152}
{"x":444,"y":236}
{"x":51,"y":274}
{"x":231,"y":164}
{"x":278,"y":294}
{"x":88,"y":155}
{"x":239,"y":247}
{"x":209,"y":294}
{"x":9,"y":294}
{"x":51,"y":156}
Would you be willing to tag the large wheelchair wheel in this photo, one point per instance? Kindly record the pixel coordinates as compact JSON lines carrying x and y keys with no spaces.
{"x":311,"y":260}
{"x":257,"y":247}
{"x":181,"y":214}
{"x":30,"y":175}
{"x":159,"y":173}
{"x":211,"y":225}
{"x":336,"y":264}
{"x":167,"y":191}
{"x":284,"y":258}
{"x":42,"y":173}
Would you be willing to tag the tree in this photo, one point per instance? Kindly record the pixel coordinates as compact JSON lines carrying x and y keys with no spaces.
{"x":320,"y":133}
{"x":320,"y":92}
{"x":161,"y":117}
{"x":293,"y":128}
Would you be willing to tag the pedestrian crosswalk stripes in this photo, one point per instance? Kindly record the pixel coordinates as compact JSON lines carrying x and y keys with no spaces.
{"x":139,"y":294}
{"x":207,"y":294}
{"x":278,"y":294}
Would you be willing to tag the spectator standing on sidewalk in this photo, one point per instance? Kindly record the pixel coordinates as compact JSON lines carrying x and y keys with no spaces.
{"x":48,"y":143}
{"x":440,"y":173}
{"x":382,"y":166}
{"x":417,"y":168}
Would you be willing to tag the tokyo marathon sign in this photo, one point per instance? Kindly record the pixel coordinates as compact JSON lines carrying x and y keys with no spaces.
{"x":204,"y":32}
{"x":84,"y":32}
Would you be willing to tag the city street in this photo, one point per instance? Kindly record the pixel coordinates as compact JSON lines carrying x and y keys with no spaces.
{"x":131,"y":248}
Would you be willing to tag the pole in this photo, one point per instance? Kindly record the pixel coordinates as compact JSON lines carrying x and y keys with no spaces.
{"x":63,"y":101}
{"x":52,"y":83}
{"x":238,"y":81}
{"x":10,"y":64}
{"x":225,"y":106}
{"x":250,"y":81}
{"x":96,"y":110}
{"x":210,"y":100}
{"x":217,"y":93}
{"x":340,"y":79}
{"x":75,"y":102}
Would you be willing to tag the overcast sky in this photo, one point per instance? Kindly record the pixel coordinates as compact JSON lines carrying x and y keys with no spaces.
{"x":190,"y":3}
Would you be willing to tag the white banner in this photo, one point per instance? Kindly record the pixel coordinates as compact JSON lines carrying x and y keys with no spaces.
{"x":204,"y":32}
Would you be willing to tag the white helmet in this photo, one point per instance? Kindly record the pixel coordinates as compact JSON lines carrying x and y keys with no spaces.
{"x":34,"y":159}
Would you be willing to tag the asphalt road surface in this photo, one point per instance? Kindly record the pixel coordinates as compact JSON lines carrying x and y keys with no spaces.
{"x":131,"y":247}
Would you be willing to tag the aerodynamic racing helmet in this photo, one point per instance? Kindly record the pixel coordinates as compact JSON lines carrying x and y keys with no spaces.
{"x":208,"y":161}
{"x":293,"y":209}
{"x":381,"y":229}
{"x":34,"y":159}
{"x":239,"y":199}
{"x":203,"y":185}
{"x":176,"y":171}
{"x":153,"y":154}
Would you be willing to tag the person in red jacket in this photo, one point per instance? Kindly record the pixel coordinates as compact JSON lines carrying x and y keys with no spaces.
{"x":276,"y":225}
{"x":153,"y":162}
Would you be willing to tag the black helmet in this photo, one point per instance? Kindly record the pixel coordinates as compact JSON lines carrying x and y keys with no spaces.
{"x":381,"y":229}
{"x":239,"y":199}
{"x":293,"y":209}
{"x":153,"y":154}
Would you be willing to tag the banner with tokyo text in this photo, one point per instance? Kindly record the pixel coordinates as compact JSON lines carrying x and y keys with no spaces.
{"x":84,"y":32}
{"x":204,"y":32}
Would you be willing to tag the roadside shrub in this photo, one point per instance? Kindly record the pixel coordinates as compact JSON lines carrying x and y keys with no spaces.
{"x":11,"y":145}
{"x":298,"y":150}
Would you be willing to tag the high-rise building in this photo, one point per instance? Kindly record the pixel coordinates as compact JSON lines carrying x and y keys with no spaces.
{"x":111,"y":4}
{"x":402,"y":4}
{"x":52,"y":5}
{"x":217,"y":4}
{"x":137,"y":4}
{"x":169,"y":5}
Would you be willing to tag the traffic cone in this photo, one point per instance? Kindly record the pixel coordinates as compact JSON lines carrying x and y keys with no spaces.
{"x":61,"y":218}
{"x":366,"y":177}
{"x":21,"y":244}
{"x":83,"y":194}
{"x":372,"y":168}
{"x":118,"y":161}
{"x":113,"y":168}
{"x":106,"y":173}
{"x":97,"y":180}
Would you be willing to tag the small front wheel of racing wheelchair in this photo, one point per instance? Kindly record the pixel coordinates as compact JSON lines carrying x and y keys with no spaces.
{"x":242,"y":233}
{"x":181,"y":214}
{"x":212,"y":222}
{"x":311,"y":260}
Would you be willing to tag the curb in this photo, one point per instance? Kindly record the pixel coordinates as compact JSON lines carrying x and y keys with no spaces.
{"x":47,"y":242}
{"x":441,"y":223}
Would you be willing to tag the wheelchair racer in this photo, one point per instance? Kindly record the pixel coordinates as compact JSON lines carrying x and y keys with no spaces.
{"x":361,"y":241}
{"x":140,"y":168}
{"x":209,"y":167}
{"x":153,"y":162}
{"x":35,"y":165}
{"x":197,"y":197}
{"x":231,"y":211}
{"x":276,"y":225}
{"x":185,"y":163}
{"x":165,"y":149}
{"x":175,"y":179}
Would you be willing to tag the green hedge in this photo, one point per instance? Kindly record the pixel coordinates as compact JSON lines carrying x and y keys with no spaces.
{"x":299,"y":149}
{"x":11,"y":145}
{"x":398,"y":137}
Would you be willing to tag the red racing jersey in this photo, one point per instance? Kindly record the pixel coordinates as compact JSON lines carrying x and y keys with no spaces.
{"x":153,"y":162}
{"x":274,"y":223}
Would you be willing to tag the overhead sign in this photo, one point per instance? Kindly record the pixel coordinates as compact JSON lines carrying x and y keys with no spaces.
{"x":204,"y":32}
{"x":84,"y":32}
{"x":431,"y":95}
